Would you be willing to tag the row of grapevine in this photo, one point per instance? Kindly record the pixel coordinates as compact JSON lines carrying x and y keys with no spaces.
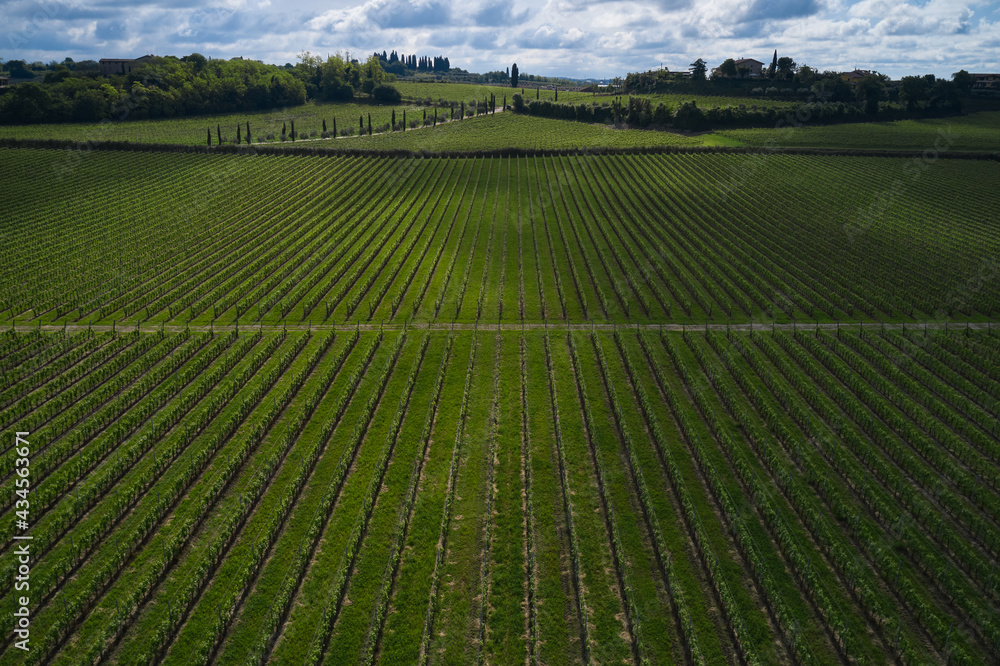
{"x":441,"y":546}
{"x":262,"y":641}
{"x":378,"y":615}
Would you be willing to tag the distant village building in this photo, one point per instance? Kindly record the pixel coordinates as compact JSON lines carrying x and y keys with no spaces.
{"x":753,"y":66}
{"x":121,"y":66}
{"x":4,"y":82}
{"x":986,"y":82}
{"x":855,"y":76}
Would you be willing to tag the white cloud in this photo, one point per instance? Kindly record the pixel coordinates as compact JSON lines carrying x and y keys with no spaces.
{"x":571,"y":37}
{"x":619,"y":41}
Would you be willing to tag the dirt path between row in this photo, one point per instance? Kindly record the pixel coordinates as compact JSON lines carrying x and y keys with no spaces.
{"x":521,"y":326}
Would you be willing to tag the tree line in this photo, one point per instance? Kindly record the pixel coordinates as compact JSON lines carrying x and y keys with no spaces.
{"x":786,"y":78}
{"x":640,"y":112}
{"x":405,"y":65}
{"x":167,"y":87}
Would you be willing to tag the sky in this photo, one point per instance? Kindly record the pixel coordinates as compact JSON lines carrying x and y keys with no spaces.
{"x":549,"y":37}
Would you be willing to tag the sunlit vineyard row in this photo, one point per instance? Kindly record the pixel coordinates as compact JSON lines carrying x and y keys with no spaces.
{"x":502,"y":497}
{"x":124,"y":238}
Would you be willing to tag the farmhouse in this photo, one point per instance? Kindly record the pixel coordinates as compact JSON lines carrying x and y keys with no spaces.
{"x":855,"y":76}
{"x":986,"y":82}
{"x":4,"y":82}
{"x":121,"y":66}
{"x":754,"y":66}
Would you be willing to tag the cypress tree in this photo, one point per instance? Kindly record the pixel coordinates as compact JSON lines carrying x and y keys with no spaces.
{"x":361,"y":124}
{"x":369,"y":124}
{"x":248,"y":132}
{"x":239,"y":138}
{"x":334,"y":128}
{"x":284,"y":129}
{"x":538,"y":93}
{"x":504,"y":107}
{"x":218,"y":134}
{"x":394,"y":120}
{"x":293,"y":130}
{"x":425,"y":115}
{"x":462,"y":117}
{"x":210,"y":136}
{"x":324,"y":126}
{"x":557,"y":94}
{"x":435,"y":116}
{"x":404,"y":120}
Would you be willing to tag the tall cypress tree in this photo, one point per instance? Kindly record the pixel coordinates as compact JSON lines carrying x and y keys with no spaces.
{"x":324,"y":126}
{"x":335,"y":128}
{"x":404,"y":120}
{"x":210,"y":136}
{"x":248,"y":132}
{"x":293,"y":130}
{"x":218,"y":134}
{"x":394,"y":120}
{"x":369,"y":124}
{"x":239,"y":138}
{"x":774,"y":65}
{"x":513,"y":76}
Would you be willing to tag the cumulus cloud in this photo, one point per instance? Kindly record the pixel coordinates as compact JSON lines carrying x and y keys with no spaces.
{"x":905,"y":18}
{"x":601,"y":38}
{"x":499,"y":13}
{"x":829,"y":30}
{"x":783,"y":9}
{"x":549,"y":37}
{"x":375,"y":15}
{"x":619,"y":41}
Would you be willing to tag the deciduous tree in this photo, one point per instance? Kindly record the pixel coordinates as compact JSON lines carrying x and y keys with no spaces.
{"x":728,"y":69}
{"x":786,"y":67}
{"x":963,"y":81}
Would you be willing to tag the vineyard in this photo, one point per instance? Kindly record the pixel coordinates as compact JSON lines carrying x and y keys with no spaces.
{"x":650,"y":409}
{"x":409,"y":496}
{"x":145,"y":238}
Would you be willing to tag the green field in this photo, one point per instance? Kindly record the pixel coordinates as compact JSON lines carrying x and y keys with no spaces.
{"x":975,"y":132}
{"x":978,"y":131}
{"x":507,"y":130}
{"x":266,"y":126}
{"x":649,"y":409}
{"x":471,"y":91}
{"x":308,"y":120}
